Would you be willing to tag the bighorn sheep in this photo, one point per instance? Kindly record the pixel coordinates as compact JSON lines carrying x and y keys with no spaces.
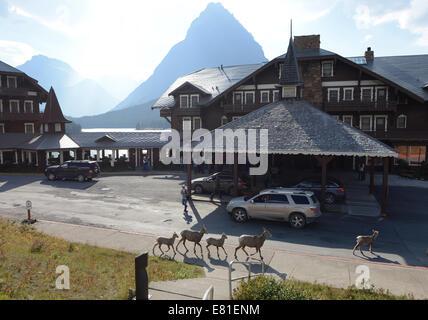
{"x":166,"y":241}
{"x":192,"y":236}
{"x":367,"y":240}
{"x":253,"y":242}
{"x":218,"y":243}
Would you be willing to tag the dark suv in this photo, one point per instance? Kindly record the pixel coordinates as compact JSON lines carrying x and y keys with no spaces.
{"x":335,"y":192}
{"x":226,"y":185}
{"x":83,"y":170}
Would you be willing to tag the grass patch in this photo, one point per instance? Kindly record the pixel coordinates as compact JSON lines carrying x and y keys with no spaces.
{"x":28,"y":262}
{"x":269,"y":288}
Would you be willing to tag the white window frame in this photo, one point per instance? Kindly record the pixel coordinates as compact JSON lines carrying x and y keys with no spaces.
{"x":386,"y":92}
{"x":58,"y":125}
{"x":333,"y":89}
{"x":344,"y":94}
{"x":187,"y":99}
{"x":190,"y":100}
{"x":224,"y":120}
{"x":322,"y":68}
{"x":273,"y":95}
{"x":242,"y":96}
{"x":371,"y":94}
{"x":32,"y":106}
{"x":29,"y":124}
{"x":371,"y":122}
{"x":290,"y":95}
{"x":184,"y":119}
{"x":348,"y":116}
{"x":381,"y":116}
{"x":2,"y":129}
{"x":261,"y":96}
{"x":405,"y":121}
{"x":7,"y":82}
{"x":245,"y":97}
{"x":193,"y":122}
{"x":10,"y":105}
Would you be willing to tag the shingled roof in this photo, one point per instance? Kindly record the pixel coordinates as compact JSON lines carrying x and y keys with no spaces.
{"x":53,"y":112}
{"x":58,"y":141}
{"x":290,"y":74}
{"x":4,"y":67}
{"x":296,"y":127}
{"x":212,"y":81}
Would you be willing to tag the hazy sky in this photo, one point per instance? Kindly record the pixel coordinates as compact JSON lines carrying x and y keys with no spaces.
{"x":130,"y":37}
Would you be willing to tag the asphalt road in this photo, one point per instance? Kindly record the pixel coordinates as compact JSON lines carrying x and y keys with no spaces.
{"x":152,"y":205}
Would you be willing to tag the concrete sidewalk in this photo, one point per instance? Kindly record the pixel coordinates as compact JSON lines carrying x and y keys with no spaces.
{"x":334,"y":271}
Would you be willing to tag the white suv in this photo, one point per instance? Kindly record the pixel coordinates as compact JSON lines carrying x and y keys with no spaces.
{"x":295,"y":206}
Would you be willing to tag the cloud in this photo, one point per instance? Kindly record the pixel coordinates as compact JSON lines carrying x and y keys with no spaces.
{"x":15,"y":53}
{"x":367,"y":38}
{"x":413,"y":18}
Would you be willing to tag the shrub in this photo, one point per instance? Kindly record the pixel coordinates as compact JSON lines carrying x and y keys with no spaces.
{"x":268,"y":288}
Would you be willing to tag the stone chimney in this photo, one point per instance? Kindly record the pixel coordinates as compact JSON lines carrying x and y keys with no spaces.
{"x":307,"y":42}
{"x":369,"y":54}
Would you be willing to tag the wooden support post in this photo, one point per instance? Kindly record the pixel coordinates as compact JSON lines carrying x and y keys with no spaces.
{"x":385,"y":186}
{"x":372,"y":161}
{"x":323,"y":161}
{"x":235,"y":174}
{"x":189,"y":180}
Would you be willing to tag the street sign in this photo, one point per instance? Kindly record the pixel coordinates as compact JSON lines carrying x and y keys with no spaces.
{"x":29,"y":205}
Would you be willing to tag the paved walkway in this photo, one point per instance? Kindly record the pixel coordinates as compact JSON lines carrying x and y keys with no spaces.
{"x":337,"y":272}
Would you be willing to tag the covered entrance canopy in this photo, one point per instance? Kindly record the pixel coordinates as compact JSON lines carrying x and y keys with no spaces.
{"x":295,"y":127}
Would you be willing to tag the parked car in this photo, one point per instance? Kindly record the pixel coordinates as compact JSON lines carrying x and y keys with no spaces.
{"x":82,"y":170}
{"x":207,"y":184}
{"x":294,"y":206}
{"x":334,"y":192}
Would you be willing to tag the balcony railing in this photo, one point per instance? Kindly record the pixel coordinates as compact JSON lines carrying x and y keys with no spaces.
{"x":191,"y":111}
{"x":241,"y":108}
{"x":23,"y":116}
{"x":358,"y":105}
{"x":17,"y":92}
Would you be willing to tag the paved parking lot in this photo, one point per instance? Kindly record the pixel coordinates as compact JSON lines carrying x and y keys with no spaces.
{"x":152,"y":205}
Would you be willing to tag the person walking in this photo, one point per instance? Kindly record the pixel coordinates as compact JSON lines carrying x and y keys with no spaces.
{"x":184,"y":196}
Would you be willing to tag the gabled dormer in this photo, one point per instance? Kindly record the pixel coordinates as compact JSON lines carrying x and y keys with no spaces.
{"x":189,"y":95}
{"x":53,"y":120}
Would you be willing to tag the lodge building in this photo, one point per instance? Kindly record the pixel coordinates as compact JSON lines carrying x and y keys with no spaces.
{"x":385,"y":97}
{"x":31,"y":139}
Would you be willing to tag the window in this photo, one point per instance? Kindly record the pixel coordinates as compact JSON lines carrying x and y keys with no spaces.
{"x":381,"y":94}
{"x":414,"y":155}
{"x":29,"y":127}
{"x":1,"y":128}
{"x":278,"y":198}
{"x":348,"y":120}
{"x":194,"y":100}
{"x":366,"y":123}
{"x":184,"y":101}
{"x":402,"y":121}
{"x":348,"y":94}
{"x":46,"y":127}
{"x":28,"y":106}
{"x":367,"y":94}
{"x":275,"y":95}
{"x":187,"y":123}
{"x":11,"y":82}
{"x":300,"y":199}
{"x":289,"y":92}
{"x":197,"y":123}
{"x":224,"y":120}
{"x":327,"y":69}
{"x":333,"y":94}
{"x":237,"y":98}
{"x":249,"y":97}
{"x":264,"y":96}
{"x":14,"y":106}
{"x":380,"y":123}
{"x":57,"y":127}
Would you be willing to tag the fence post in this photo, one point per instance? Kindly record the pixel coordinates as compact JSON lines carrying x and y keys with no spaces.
{"x":141,"y":277}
